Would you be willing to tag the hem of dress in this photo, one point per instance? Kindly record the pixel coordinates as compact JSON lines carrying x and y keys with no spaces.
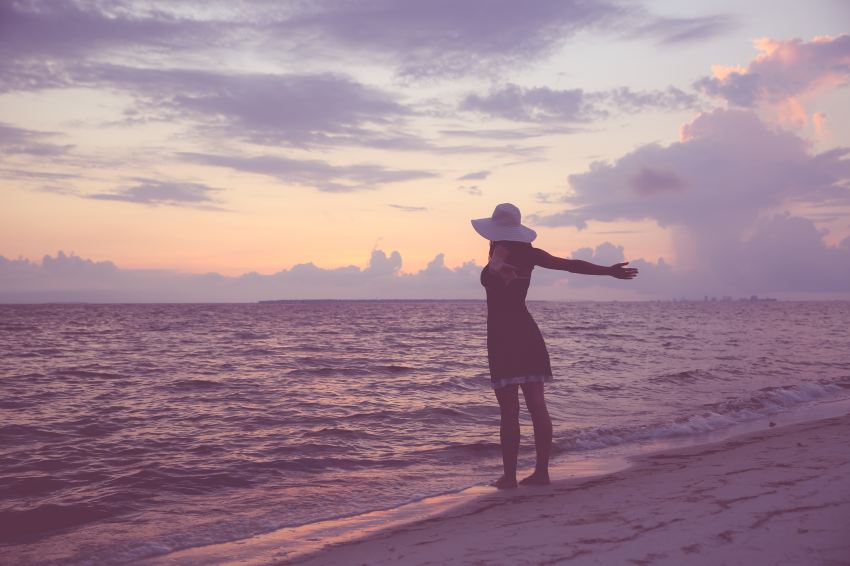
{"x":520,"y":379}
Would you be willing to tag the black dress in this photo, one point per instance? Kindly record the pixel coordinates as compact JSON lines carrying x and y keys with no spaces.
{"x":516,"y":351}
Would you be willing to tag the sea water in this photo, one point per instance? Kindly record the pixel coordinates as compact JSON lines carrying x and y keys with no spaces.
{"x":131,"y":431}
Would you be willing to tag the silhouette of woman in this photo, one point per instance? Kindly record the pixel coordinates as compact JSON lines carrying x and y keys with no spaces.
{"x":516,"y":352}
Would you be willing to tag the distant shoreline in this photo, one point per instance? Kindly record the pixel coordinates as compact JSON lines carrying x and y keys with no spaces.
{"x":739,"y":301}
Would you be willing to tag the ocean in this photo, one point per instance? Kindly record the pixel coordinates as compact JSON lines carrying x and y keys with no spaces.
{"x":129,"y":431}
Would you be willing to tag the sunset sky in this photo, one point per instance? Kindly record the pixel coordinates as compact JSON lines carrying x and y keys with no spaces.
{"x":335,"y":149}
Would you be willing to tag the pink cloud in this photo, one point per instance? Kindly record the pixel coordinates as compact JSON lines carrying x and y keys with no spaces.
{"x":822,"y":133}
{"x":783,"y":71}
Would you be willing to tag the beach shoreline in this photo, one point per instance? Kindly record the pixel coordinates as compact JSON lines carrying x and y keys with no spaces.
{"x":776,"y":495}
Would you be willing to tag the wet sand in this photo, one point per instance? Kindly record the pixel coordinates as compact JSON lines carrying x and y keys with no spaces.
{"x":777,"y":496}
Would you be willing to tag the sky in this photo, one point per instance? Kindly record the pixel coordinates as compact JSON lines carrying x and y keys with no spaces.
{"x":249,"y":150}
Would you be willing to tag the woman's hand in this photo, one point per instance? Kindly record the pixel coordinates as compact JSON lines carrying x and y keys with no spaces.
{"x":619,"y":271}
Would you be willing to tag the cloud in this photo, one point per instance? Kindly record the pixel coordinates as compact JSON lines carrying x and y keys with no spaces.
{"x":44,"y":43}
{"x":382,"y":264}
{"x":718,"y":191}
{"x":69,"y":29}
{"x":266,"y":109}
{"x":442,"y":38}
{"x":152,"y":192}
{"x":545,"y":105}
{"x":510,"y":134}
{"x":298,"y":110}
{"x":781,"y":71}
{"x":311,"y":173}
{"x":729,"y":167}
{"x":21,"y":141}
{"x":784,"y":255}
{"x":446,"y":38}
{"x":624,"y":99}
{"x":47,"y":43}
{"x":420,"y":39}
{"x":473,"y":190}
{"x":409,"y":208}
{"x":71,"y":278}
{"x":539,"y":104}
{"x":474,"y":176}
{"x":674,"y":31}
{"x":649,"y":181}
{"x":301,"y":110}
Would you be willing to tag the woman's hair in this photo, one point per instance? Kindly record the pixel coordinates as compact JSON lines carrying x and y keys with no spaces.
{"x":519,"y":253}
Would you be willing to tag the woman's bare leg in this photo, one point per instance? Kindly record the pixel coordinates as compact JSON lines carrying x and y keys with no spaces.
{"x":508,"y":397}
{"x":536,"y":403}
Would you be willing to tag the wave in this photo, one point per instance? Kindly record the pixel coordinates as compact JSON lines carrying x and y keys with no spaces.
{"x":29,"y":524}
{"x":17,"y":434}
{"x":75,"y":372}
{"x":686,"y":376}
{"x":715,"y":416}
{"x":371,"y":370}
{"x":194,"y":385}
{"x":248,"y":335}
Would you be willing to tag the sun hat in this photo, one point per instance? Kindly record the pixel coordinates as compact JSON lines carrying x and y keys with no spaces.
{"x":504,"y":225}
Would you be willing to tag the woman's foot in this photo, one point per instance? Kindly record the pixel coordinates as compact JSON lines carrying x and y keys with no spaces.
{"x":537,"y":478}
{"x":504,"y":483}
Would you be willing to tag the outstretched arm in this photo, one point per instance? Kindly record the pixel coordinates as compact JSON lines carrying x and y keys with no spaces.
{"x":618,"y":270}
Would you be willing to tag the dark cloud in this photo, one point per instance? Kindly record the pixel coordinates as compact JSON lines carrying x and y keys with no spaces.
{"x":69,"y":29}
{"x":312,"y":173}
{"x":624,"y":99}
{"x":543,"y":104}
{"x":297,"y":110}
{"x":45,"y":43}
{"x":261,"y":108}
{"x":474,"y":176}
{"x":782,"y":70}
{"x":153,"y":192}
{"x":444,"y":37}
{"x":29,"y":142}
{"x":438,"y":38}
{"x":649,"y":181}
{"x":267,"y":109}
{"x":540,"y":104}
{"x":119,"y":46}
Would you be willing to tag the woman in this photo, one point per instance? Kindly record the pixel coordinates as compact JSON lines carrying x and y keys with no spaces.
{"x":516,"y":352}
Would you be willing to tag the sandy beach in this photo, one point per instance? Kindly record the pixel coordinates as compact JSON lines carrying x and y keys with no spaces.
{"x":780,"y":496}
{"x":775,"y":496}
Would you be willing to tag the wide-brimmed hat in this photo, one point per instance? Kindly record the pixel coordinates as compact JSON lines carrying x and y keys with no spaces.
{"x":504,"y":225}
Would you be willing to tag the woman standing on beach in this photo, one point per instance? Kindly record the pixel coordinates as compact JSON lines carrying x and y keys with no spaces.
{"x":516,"y":352}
